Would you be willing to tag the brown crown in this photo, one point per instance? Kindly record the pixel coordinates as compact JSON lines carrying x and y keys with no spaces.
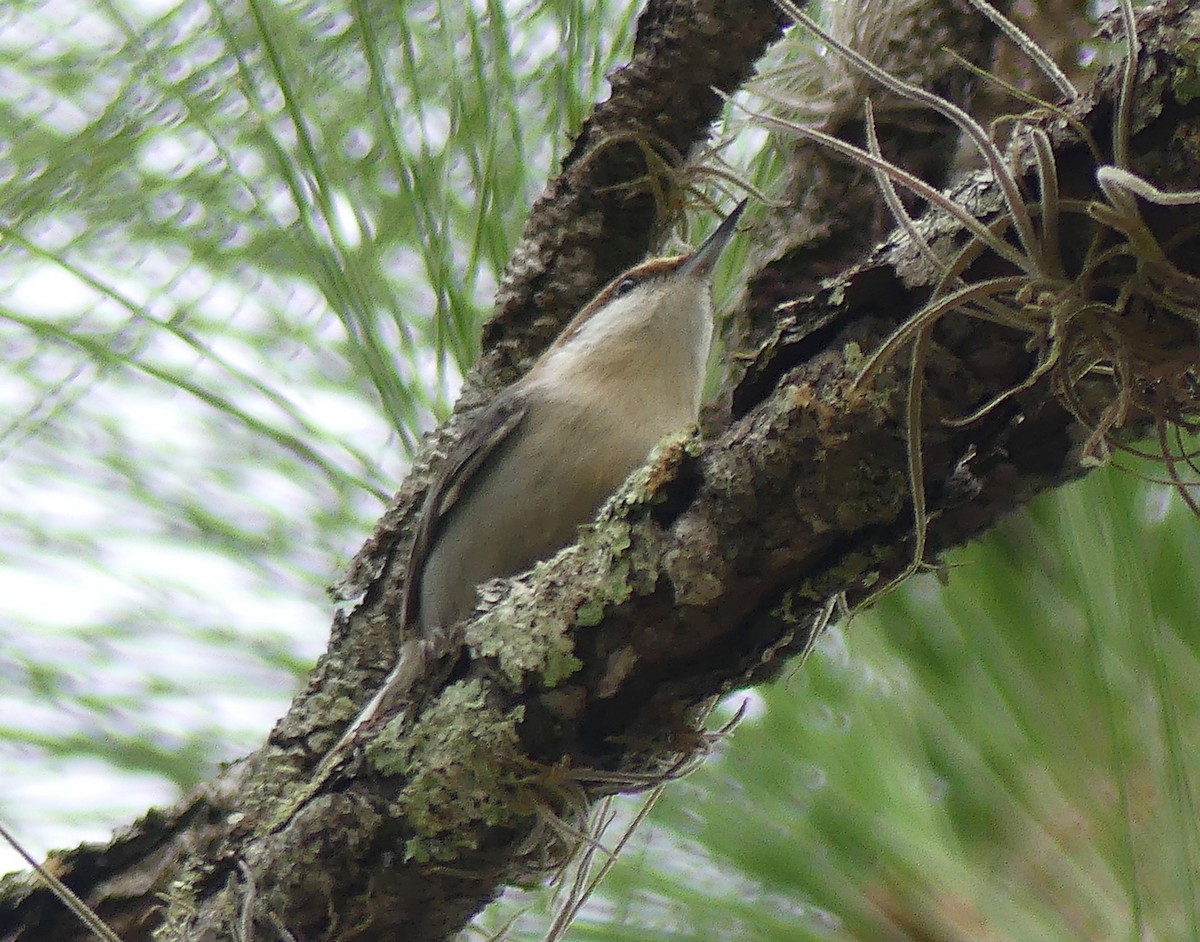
{"x":653,"y":268}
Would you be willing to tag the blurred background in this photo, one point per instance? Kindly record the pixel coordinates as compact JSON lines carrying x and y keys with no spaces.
{"x":244,"y":252}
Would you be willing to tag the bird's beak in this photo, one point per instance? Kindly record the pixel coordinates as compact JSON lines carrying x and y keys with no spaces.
{"x":704,"y":259}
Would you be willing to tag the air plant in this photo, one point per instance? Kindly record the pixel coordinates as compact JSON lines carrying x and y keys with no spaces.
{"x":1085,"y":322}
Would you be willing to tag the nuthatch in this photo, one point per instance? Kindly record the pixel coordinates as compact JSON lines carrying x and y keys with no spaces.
{"x":542,"y":457}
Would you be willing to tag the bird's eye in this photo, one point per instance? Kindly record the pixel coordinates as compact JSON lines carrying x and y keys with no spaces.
{"x":624,"y":286}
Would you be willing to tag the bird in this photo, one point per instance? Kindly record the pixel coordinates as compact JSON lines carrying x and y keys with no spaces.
{"x":542,"y":457}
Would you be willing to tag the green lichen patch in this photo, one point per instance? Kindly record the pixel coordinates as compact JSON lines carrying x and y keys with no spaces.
{"x":465,"y":769}
{"x":1185,"y":78}
{"x":614,"y":589}
{"x":526,"y":639}
{"x":622,"y":558}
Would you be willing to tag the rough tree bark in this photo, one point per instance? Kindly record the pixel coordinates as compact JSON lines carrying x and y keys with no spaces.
{"x":703,"y":574}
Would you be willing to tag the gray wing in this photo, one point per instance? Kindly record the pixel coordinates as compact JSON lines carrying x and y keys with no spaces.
{"x":486,"y":433}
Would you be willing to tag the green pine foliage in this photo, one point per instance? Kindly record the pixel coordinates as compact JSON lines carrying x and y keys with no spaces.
{"x":245,"y":248}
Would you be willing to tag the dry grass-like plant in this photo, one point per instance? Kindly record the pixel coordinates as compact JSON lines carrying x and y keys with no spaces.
{"x":679,"y":182}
